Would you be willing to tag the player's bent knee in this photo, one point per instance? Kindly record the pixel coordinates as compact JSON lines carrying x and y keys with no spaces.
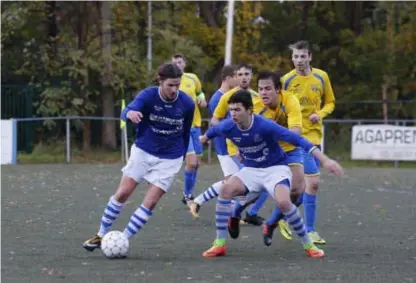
{"x":227,"y":191}
{"x":284,"y":205}
{"x":312,"y":185}
{"x":125,"y":189}
{"x":192,"y":162}
{"x":152,"y":197}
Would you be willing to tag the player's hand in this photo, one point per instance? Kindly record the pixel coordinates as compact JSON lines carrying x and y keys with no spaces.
{"x":333,"y":167}
{"x":314,"y":118}
{"x":201,"y":102}
{"x":214,"y":121}
{"x":135,"y":116}
{"x":239,"y":157}
{"x":203,"y":139}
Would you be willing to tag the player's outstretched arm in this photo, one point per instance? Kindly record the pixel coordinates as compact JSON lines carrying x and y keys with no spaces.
{"x":134,"y":110}
{"x":331,"y":165}
{"x":281,"y":133}
{"x":212,"y":132}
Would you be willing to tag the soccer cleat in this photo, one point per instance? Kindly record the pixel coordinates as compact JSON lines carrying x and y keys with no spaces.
{"x":285,"y":230}
{"x":234,"y":227}
{"x":315,"y":238}
{"x":218,"y":249}
{"x":186,"y":198}
{"x":253,"y":219}
{"x":93,"y":243}
{"x":312,"y":251}
{"x":194,"y":208}
{"x":268,"y":234}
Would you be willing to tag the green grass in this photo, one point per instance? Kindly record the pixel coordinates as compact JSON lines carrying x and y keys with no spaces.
{"x":56,"y":153}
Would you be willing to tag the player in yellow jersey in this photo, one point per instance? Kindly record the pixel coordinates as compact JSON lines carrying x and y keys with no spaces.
{"x":191,"y":85}
{"x":313,"y":89}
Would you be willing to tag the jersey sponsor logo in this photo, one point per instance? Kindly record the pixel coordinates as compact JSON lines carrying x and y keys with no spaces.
{"x":166,"y":120}
{"x":308,"y":101}
{"x":253,"y":149}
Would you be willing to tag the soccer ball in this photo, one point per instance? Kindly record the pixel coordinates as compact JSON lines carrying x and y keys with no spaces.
{"x":115,"y":245}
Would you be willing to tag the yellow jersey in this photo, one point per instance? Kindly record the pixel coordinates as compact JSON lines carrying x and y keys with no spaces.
{"x":191,"y":85}
{"x":311,"y":91}
{"x":288,"y":113}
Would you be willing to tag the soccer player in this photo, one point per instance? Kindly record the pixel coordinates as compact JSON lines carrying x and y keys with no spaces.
{"x":282,"y":107}
{"x":313,"y":88}
{"x":265,"y":168}
{"x":191,"y":85}
{"x":228,"y":164}
{"x":245,"y":74}
{"x":163,"y":116}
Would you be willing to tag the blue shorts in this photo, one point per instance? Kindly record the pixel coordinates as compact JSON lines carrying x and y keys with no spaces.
{"x":295,"y":157}
{"x":195,"y":145}
{"x":311,"y":164}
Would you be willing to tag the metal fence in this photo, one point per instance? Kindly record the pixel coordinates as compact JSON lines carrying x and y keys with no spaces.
{"x":337,"y":136}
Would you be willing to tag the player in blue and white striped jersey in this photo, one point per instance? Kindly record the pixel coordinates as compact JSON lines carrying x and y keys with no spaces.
{"x":265,"y":168}
{"x":163,"y":116}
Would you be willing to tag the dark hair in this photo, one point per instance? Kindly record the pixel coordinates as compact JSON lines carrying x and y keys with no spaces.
{"x":228,"y":71}
{"x":169,"y":71}
{"x":176,"y":56}
{"x":245,"y":65}
{"x":303,"y":44}
{"x":265,"y":75}
{"x":243,"y":97}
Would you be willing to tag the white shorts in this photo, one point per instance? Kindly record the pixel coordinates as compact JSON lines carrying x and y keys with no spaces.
{"x":229,"y":165}
{"x":157,"y":171}
{"x":258,"y":179}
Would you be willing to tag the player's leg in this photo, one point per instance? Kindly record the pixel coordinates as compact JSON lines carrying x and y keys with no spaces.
{"x":191,"y":166}
{"x":252,"y":216}
{"x":279,"y":182}
{"x":160,"y":177}
{"x":312,"y":172}
{"x":277,"y":217}
{"x":295,"y":161}
{"x":229,"y":165}
{"x":205,"y":196}
{"x":233,"y":187}
{"x":136,"y":167}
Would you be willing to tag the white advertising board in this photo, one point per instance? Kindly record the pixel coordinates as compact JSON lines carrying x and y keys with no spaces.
{"x":8,"y":142}
{"x":383,"y":142}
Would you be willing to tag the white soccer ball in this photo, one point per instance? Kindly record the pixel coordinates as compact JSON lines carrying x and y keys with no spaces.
{"x":115,"y":245}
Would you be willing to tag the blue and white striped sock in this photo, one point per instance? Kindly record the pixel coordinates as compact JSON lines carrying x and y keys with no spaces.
{"x":296,"y":223}
{"x":210,"y":193}
{"x":111,"y":212}
{"x":223,"y":211}
{"x":137,"y":221}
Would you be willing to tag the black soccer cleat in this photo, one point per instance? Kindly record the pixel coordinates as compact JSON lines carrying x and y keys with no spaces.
{"x":253,"y":219}
{"x":268,"y":234}
{"x":93,"y":243}
{"x":234,"y":227}
{"x":186,"y":198}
